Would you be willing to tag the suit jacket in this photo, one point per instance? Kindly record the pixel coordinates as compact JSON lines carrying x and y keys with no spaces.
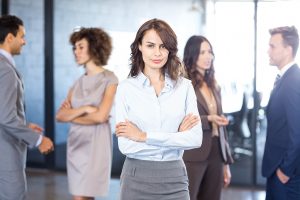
{"x":14,"y":134}
{"x":201,"y":154}
{"x":282,"y":148}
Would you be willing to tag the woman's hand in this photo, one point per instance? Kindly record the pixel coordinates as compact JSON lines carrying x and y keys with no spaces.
{"x":188,"y":122}
{"x":66,"y":104}
{"x":227,"y":175}
{"x":219,"y":120}
{"x":129,"y":130}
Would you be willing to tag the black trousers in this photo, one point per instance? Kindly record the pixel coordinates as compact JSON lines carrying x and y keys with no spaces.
{"x":206,"y":177}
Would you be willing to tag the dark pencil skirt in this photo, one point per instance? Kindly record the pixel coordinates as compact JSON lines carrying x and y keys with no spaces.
{"x":154,"y":180}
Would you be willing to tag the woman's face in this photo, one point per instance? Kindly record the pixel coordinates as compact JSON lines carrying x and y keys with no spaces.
{"x":205,"y":57}
{"x":154,"y":53}
{"x":81,"y":51}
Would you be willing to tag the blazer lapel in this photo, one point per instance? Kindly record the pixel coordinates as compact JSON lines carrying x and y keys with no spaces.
{"x":280,"y":82}
{"x":218,"y":102}
{"x":14,"y":68}
{"x":200,"y":99}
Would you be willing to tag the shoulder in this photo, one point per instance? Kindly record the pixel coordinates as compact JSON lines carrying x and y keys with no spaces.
{"x":218,"y":89}
{"x":182,"y":82}
{"x":6,"y":69}
{"x":110,"y":75}
{"x":129,"y":82}
{"x":297,"y":71}
{"x":293,"y":74}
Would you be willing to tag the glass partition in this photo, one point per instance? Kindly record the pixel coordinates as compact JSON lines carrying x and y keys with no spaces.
{"x":231,"y":30}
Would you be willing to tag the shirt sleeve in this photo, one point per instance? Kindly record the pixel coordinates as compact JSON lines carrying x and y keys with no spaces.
{"x":180,"y":140}
{"x":39,"y":141}
{"x":127,"y":146}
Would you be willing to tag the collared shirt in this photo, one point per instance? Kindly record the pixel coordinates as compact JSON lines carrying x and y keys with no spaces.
{"x":286,"y":67}
{"x":159,"y":116}
{"x":10,"y":58}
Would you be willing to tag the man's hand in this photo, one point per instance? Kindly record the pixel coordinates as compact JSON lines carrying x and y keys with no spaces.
{"x":36,"y":128}
{"x":46,"y":146}
{"x":282,"y":177}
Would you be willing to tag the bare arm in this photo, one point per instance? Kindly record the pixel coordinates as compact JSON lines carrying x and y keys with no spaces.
{"x":102,"y":112}
{"x":66,"y":113}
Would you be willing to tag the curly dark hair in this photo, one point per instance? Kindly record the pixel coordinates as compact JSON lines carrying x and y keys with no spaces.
{"x":169,"y":39}
{"x":99,"y":43}
{"x":190,"y":57}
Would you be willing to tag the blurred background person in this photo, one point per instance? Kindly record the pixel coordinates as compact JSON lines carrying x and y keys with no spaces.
{"x":87,"y":107}
{"x":207,"y":166}
{"x":281,"y":160}
{"x":15,"y":134}
{"x":157,"y":118}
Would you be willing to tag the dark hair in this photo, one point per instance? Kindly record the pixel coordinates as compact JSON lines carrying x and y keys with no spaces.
{"x":290,"y":36}
{"x":190,"y":57}
{"x":9,"y":24}
{"x":169,"y":39}
{"x":99,"y":43}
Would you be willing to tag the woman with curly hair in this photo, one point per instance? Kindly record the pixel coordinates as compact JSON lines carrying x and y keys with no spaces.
{"x":157,"y":118}
{"x":207,"y":166}
{"x":87,"y":108}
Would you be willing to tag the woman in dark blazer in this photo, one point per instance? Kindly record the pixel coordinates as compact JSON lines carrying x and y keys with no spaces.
{"x":207,"y":166}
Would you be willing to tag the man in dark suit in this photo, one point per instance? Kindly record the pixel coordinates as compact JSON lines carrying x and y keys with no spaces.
{"x":281,"y":160}
{"x":15,"y":134}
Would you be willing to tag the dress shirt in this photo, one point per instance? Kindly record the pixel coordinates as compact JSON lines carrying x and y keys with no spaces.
{"x":9,"y":57}
{"x":285,"y":68}
{"x":159,"y":116}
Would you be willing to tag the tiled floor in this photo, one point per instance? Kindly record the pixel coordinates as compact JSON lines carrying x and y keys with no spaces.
{"x":48,"y":185}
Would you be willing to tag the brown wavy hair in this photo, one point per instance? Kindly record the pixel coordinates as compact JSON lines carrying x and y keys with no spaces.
{"x":190,"y":57}
{"x":99,"y":43}
{"x":169,"y":39}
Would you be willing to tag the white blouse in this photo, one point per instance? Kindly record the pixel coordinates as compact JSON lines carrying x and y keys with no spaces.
{"x":159,"y":116}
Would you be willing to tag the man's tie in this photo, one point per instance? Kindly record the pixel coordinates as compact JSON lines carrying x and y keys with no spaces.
{"x":276,"y":80}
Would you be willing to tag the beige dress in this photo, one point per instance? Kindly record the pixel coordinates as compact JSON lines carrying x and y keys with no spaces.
{"x":89,"y":147}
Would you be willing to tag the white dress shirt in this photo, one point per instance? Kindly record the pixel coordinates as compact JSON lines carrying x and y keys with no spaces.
{"x":159,"y":116}
{"x":286,"y":67}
